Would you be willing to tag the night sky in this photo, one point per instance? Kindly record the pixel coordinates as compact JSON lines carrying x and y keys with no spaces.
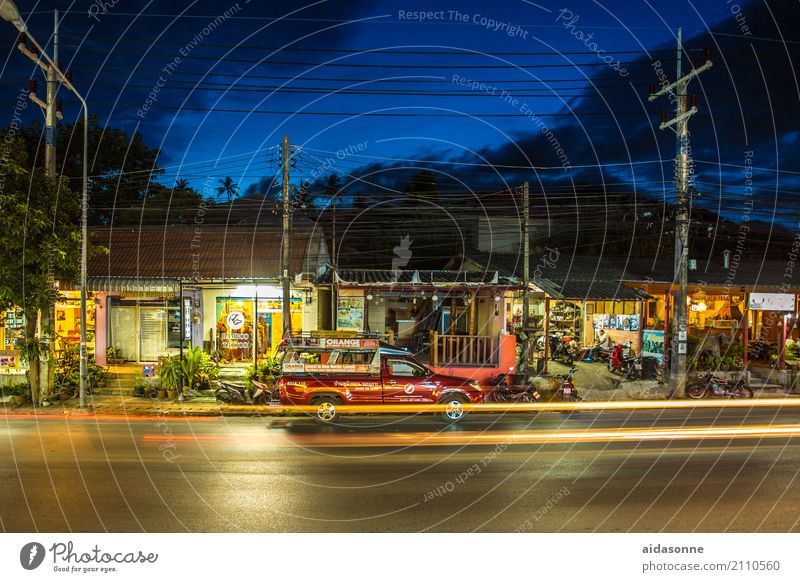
{"x":563,"y":102}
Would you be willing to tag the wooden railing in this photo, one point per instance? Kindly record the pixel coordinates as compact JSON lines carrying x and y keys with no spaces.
{"x":465,"y":350}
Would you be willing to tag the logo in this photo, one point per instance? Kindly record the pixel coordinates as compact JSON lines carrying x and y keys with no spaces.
{"x":409,"y":389}
{"x":31,"y":555}
{"x":235,"y":320}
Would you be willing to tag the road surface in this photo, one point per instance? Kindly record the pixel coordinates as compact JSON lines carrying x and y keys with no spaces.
{"x":643,"y":471}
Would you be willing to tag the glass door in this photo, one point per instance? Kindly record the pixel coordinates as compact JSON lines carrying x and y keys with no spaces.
{"x":123,"y":332}
{"x":152,"y":333}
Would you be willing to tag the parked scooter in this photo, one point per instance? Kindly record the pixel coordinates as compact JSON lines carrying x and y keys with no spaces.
{"x":569,"y":393}
{"x":507,"y":393}
{"x":230,"y":393}
{"x":622,"y":361}
{"x":711,"y":385}
{"x":598,"y":354}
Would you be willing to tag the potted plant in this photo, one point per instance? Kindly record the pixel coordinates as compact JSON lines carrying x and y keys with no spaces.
{"x":198,"y":369}
{"x":139,"y":386}
{"x":169,"y":372}
{"x":114,"y":355}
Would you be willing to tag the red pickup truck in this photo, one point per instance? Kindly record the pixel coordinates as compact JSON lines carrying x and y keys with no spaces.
{"x":338,"y":372}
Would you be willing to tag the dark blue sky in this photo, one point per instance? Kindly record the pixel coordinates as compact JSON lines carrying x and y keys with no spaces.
{"x":216,"y":74}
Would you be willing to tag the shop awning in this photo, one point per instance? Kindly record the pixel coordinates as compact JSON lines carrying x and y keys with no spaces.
{"x":133,"y":285}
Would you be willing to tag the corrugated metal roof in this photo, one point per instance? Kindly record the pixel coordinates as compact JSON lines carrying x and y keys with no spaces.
{"x":202,"y":253}
{"x":380,"y":277}
{"x":565,"y":276}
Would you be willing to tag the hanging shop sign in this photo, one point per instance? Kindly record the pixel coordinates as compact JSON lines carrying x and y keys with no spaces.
{"x":653,"y":344}
{"x":334,"y":342}
{"x":187,"y":319}
{"x":771,"y":301}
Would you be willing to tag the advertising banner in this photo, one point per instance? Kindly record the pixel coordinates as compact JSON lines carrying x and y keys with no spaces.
{"x":653,"y":344}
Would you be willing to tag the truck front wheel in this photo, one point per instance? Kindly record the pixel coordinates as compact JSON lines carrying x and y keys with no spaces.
{"x":454,"y":407}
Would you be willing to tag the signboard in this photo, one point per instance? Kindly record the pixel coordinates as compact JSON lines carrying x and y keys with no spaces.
{"x":299,"y":367}
{"x":771,"y":301}
{"x":187,"y":319}
{"x":338,"y":342}
{"x":653,"y":344}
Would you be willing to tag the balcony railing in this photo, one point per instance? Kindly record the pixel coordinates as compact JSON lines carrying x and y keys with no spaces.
{"x":465,"y":350}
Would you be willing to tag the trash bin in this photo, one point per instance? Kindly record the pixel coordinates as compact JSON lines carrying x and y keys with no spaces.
{"x":649,"y":368}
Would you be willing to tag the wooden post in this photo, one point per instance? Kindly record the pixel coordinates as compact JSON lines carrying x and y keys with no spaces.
{"x":667,"y":339}
{"x":782,"y":346}
{"x":472,"y":316}
{"x":546,"y":333}
{"x":642,"y":321}
{"x":390,"y":336}
{"x":745,"y":332}
{"x":434,"y":348}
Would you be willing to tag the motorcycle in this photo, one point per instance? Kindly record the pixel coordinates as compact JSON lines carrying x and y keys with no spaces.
{"x":599,"y":354}
{"x":504,"y":393}
{"x":230,"y":393}
{"x":622,"y":361}
{"x":569,"y":393}
{"x":711,"y":385}
{"x":562,"y":348}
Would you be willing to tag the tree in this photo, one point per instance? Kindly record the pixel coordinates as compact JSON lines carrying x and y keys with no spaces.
{"x":121,"y":168}
{"x":228,"y":187}
{"x":39,"y":235}
{"x":182,"y":184}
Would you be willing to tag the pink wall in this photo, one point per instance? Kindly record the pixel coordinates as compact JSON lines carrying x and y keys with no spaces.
{"x":483,"y":374}
{"x":100,"y":327}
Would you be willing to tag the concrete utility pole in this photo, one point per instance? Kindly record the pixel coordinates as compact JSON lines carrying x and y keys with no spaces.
{"x":287,"y":296}
{"x":526,"y":292}
{"x":334,"y":301}
{"x":10,"y":13}
{"x":48,"y":106}
{"x":680,"y":124}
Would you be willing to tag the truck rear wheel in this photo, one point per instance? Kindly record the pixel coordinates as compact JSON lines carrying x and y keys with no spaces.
{"x":326,"y":410}
{"x":454,"y":407}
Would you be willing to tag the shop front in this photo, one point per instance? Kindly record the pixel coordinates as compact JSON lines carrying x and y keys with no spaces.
{"x":244,"y":322}
{"x":142,"y":329}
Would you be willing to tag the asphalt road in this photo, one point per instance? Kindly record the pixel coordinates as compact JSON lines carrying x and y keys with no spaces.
{"x":643,"y":471}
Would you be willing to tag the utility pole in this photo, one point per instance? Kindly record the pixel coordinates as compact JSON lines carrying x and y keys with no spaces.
{"x":680,"y":125}
{"x":334,"y":301}
{"x":51,"y":113}
{"x":287,"y":297}
{"x":10,"y":13}
{"x":526,"y":292}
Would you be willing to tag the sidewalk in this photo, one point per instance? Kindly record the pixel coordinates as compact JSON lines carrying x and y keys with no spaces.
{"x":110,"y":404}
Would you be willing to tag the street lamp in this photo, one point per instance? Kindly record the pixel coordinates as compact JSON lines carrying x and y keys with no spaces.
{"x":9,"y":12}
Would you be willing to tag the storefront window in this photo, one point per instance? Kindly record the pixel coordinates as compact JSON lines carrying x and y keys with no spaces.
{"x":68,"y":322}
{"x":235,"y":329}
{"x":12,"y":333}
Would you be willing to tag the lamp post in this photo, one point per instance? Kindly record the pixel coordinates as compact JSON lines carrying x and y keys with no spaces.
{"x":10,"y":13}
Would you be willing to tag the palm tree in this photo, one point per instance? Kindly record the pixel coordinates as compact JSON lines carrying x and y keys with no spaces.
{"x":228,"y":187}
{"x":182,"y":184}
